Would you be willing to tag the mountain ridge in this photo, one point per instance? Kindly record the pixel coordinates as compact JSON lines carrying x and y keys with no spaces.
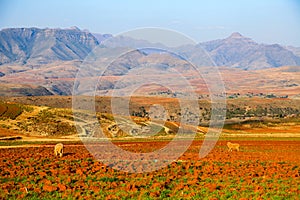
{"x":41,"y":46}
{"x":242,"y":52}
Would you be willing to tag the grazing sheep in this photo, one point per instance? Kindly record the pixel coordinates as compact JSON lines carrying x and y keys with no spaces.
{"x":233,"y":146}
{"x":58,"y":149}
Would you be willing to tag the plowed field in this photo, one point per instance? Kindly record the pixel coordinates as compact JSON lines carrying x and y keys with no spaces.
{"x":261,"y":169}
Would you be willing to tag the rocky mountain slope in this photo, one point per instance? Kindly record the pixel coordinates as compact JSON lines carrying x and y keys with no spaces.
{"x":42,"y":46}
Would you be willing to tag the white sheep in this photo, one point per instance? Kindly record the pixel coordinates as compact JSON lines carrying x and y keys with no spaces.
{"x":58,"y":149}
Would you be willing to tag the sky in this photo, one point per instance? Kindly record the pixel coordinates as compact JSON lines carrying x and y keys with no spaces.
{"x":265,"y":21}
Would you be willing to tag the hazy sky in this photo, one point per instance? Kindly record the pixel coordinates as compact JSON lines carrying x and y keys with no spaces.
{"x":267,"y":21}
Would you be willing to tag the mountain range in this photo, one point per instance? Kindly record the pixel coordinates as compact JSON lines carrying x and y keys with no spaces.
{"x":41,"y":46}
{"x":51,"y":58}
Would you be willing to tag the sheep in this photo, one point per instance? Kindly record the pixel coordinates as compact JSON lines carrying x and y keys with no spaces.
{"x":58,"y":149}
{"x":233,"y":146}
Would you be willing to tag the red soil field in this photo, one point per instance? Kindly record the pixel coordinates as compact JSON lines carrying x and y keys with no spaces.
{"x":261,"y":169}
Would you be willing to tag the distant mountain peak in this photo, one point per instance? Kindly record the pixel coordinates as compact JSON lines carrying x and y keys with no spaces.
{"x":74,"y":28}
{"x":236,"y":35}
